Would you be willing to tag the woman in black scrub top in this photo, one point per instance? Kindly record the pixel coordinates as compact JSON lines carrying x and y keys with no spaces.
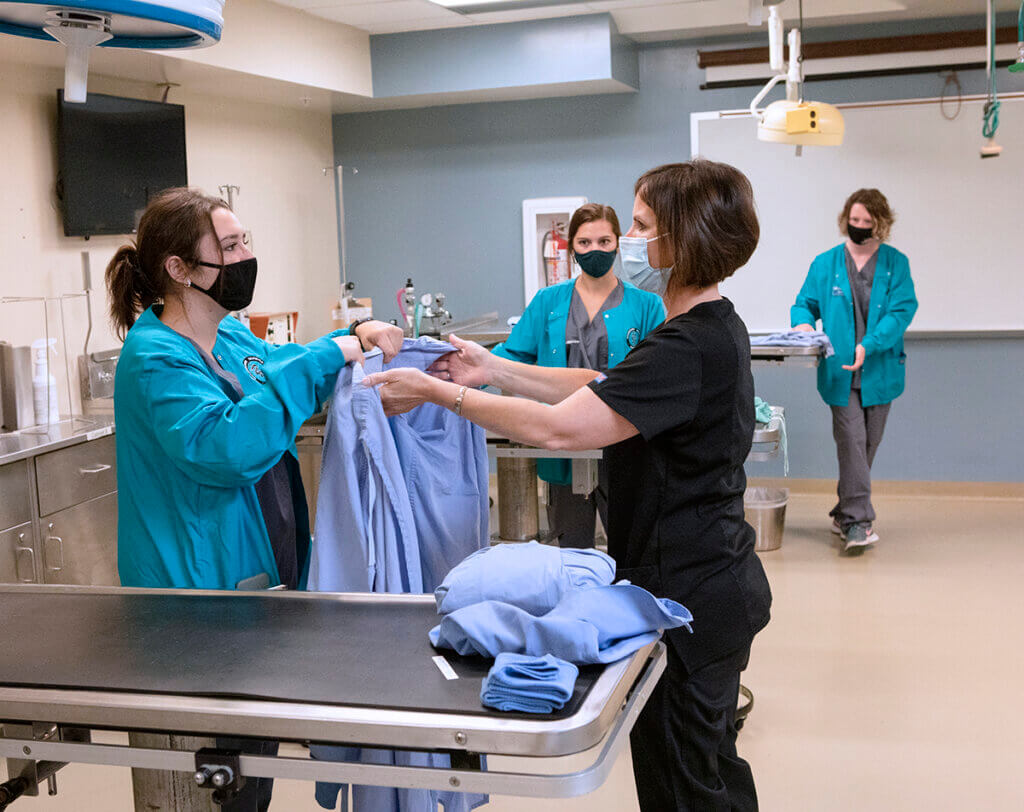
{"x":687,"y":392}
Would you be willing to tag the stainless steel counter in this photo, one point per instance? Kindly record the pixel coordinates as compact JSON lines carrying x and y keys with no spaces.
{"x":487,"y":334}
{"x":30,"y":442}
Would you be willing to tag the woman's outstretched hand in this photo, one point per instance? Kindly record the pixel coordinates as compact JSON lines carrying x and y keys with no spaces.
{"x":387,"y":337}
{"x":469,"y":365}
{"x":350,"y":348}
{"x":401,"y":389}
{"x":858,"y":359}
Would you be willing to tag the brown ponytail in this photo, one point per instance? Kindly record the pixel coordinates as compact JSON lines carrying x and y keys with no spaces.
{"x":172,"y":225}
{"x":123,"y":279}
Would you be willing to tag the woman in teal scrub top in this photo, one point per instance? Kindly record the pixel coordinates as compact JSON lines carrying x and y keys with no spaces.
{"x":209,"y":492}
{"x":589,"y":322}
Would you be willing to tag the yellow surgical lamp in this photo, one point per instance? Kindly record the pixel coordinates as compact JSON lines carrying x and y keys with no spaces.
{"x":802,"y":123}
{"x":793,"y":120}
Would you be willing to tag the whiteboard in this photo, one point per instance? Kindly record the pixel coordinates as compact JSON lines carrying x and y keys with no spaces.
{"x":959,"y":219}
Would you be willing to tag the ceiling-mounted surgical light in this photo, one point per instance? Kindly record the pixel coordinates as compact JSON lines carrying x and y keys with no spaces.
{"x":793,"y":120}
{"x":83,"y":24}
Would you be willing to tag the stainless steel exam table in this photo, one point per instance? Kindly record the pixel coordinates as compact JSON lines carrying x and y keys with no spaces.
{"x":290,"y":666}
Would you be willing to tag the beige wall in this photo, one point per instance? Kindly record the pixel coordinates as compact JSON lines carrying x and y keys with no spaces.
{"x":275,"y":155}
{"x":271,"y":40}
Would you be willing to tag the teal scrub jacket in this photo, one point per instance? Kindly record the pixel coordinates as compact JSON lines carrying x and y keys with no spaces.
{"x":826,"y":295}
{"x":188,"y":456}
{"x":539,"y":338}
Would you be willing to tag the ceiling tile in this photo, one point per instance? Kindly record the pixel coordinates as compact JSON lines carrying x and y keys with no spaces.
{"x":613,"y":5}
{"x":364,"y":13}
{"x":542,"y":13}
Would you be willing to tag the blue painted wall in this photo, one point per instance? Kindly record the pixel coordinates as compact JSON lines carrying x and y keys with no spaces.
{"x":438,"y":197}
{"x":539,"y":52}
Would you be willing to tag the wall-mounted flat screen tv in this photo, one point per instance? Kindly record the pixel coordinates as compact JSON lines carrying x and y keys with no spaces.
{"x":113,"y":156}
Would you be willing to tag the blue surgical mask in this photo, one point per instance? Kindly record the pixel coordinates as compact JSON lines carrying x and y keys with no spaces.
{"x":636,"y":268}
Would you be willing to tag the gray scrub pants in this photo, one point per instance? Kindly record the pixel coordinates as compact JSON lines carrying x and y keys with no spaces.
{"x":572,"y":516}
{"x":857,"y":431}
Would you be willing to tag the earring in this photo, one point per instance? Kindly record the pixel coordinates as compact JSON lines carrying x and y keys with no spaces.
{"x":188,"y":283}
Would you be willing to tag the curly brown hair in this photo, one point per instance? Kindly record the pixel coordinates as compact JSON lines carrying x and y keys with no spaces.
{"x":878,"y":207}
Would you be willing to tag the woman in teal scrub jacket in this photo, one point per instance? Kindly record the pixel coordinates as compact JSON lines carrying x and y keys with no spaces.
{"x":592,"y":321}
{"x":209,"y":494}
{"x":863,"y":294}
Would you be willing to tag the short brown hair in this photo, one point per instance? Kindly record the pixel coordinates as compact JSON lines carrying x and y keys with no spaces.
{"x":593,"y":213}
{"x":172,"y":225}
{"x":706,"y":211}
{"x":878,"y":207}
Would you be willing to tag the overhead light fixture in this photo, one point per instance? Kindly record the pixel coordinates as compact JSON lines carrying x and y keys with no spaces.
{"x":81,"y":25}
{"x":486,"y":6}
{"x":793,"y":120}
{"x":756,"y":14}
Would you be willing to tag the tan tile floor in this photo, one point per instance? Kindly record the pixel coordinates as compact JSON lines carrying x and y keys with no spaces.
{"x":888,"y":682}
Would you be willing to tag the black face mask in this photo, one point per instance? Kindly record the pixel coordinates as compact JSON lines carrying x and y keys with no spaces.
{"x":859,"y":235}
{"x":596,"y":263}
{"x":233,"y":287}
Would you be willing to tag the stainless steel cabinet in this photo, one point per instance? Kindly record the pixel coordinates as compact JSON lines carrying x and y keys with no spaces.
{"x":18,"y":555}
{"x":15,"y":494}
{"x":58,"y":516}
{"x":73,"y":475}
{"x":79,"y":544}
{"x":17,"y":538}
{"x":77,"y":489}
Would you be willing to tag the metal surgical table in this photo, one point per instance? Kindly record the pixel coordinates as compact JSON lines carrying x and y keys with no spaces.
{"x":302,"y":667}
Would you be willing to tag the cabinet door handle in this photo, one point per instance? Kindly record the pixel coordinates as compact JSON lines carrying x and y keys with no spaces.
{"x":94,"y":469}
{"x":20,"y":550}
{"x":60,"y":548}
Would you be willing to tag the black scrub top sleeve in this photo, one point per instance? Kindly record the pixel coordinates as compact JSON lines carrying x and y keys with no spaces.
{"x":657,"y":386}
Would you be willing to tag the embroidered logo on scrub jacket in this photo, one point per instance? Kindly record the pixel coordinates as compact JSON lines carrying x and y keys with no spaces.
{"x":254,"y":366}
{"x":633,"y":337}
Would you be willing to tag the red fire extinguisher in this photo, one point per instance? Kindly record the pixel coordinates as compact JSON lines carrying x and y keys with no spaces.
{"x":556,"y":254}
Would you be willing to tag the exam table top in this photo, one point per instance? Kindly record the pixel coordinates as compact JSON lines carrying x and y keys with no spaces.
{"x":354,"y":668}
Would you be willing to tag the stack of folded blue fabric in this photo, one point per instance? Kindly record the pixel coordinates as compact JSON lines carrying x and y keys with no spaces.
{"x":552,"y":607}
{"x":528,"y":684}
{"x":534,"y":577}
{"x":796,"y":338}
{"x":599,"y":624}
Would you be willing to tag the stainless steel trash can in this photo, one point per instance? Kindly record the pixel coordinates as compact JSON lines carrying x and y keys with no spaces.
{"x":765,"y":511}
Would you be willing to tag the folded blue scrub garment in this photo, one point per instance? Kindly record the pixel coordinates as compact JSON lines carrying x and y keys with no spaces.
{"x":599,"y":624}
{"x":796,"y":338}
{"x":518,"y":682}
{"x":534,"y":577}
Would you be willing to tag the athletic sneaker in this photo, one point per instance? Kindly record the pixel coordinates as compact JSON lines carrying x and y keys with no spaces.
{"x":857,"y":537}
{"x":836,"y":528}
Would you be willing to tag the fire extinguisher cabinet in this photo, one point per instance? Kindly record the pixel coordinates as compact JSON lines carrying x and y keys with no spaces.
{"x":545,"y":246}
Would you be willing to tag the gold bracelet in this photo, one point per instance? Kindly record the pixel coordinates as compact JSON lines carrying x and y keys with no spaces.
{"x":458,"y":401}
